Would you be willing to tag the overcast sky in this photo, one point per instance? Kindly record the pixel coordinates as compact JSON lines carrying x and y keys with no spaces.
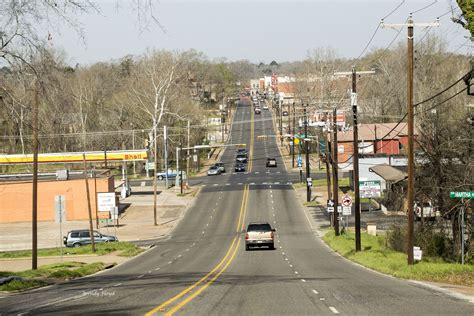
{"x":257,"y":30}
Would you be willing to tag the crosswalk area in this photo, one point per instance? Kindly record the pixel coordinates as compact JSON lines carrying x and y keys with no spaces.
{"x":248,"y":183}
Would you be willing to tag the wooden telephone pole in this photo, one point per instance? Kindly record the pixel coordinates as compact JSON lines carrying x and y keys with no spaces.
{"x":410,"y":118}
{"x":355,"y":154}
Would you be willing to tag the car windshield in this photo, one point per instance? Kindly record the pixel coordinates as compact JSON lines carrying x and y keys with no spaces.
{"x":259,"y":228}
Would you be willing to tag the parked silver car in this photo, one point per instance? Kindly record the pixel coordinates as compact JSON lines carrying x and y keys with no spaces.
{"x":77,"y":238}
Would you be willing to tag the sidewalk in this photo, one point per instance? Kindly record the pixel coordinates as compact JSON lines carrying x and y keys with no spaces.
{"x":136,"y":221}
{"x":320,"y":223}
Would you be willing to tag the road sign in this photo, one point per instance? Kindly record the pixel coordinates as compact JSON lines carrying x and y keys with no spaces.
{"x":114,"y":213}
{"x":330,"y":206}
{"x":105,"y":201}
{"x":150,"y":166}
{"x":369,"y":189}
{"x":461,"y":195}
{"x":309,"y":181}
{"x":346,"y":200}
{"x":59,"y":207}
{"x":107,"y":220}
{"x":296,"y":141}
{"x":346,"y":210}
{"x":299,"y":161}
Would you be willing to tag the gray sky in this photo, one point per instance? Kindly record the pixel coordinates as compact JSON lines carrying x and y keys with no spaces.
{"x":258,"y":30}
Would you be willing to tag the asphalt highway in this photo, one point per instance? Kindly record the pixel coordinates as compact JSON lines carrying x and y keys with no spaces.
{"x":202,"y":268}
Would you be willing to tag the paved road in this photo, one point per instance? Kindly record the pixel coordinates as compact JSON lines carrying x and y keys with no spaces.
{"x":203,"y":268}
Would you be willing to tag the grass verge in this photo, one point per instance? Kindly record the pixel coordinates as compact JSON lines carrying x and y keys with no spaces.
{"x":49,"y":274}
{"x":125,"y":249}
{"x":376,"y":256}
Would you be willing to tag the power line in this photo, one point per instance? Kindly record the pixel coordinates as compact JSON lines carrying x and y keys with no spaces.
{"x":425,"y":7}
{"x":376,"y":30}
{"x":441,"y":92}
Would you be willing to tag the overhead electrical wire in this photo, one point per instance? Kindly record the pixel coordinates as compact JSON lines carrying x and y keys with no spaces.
{"x":375,"y":32}
{"x":425,"y":7}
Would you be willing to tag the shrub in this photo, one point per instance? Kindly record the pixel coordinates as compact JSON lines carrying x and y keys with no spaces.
{"x":396,"y":238}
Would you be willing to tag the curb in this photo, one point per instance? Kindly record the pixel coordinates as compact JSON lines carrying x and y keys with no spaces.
{"x":319,"y":234}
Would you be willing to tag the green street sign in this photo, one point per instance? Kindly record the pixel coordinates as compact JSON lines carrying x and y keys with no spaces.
{"x":106,"y":220}
{"x":461,"y":195}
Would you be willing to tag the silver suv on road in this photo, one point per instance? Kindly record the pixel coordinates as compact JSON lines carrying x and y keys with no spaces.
{"x":77,"y":238}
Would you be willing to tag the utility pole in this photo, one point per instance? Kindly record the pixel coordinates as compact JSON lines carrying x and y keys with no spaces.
{"x":281,"y":121}
{"x":410,"y":119}
{"x":187,"y":154}
{"x":328,"y":173}
{"x":306,"y":141}
{"x":155,"y":184}
{"x":165,"y":142}
{"x":294,"y":133}
{"x":34,"y":208}
{"x":335,"y":176}
{"x":91,"y":228}
{"x":355,"y":145}
{"x":355,"y":160}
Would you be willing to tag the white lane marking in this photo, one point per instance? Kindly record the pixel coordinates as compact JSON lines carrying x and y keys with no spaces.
{"x":315,"y":292}
{"x":187,"y":249}
{"x":216,"y":184}
{"x":264,"y":183}
{"x":253,"y":183}
{"x":272,"y":201}
{"x":149,"y":271}
{"x":142,"y":184}
{"x":296,"y":272}
{"x":207,"y":224}
{"x":274,"y":222}
{"x":277,"y":182}
{"x":240,"y":183}
{"x":203,"y":231}
{"x":333,"y":310}
{"x":278,"y":172}
{"x":118,"y":284}
{"x":227,"y":184}
{"x":303,"y":280}
{"x":291,"y":266}
{"x":322,"y":299}
{"x":170,"y":262}
{"x":156,"y":269}
{"x":256,"y":172}
{"x":280,"y":247}
{"x":140,"y":276}
{"x":179,"y":256}
{"x":194,"y":243}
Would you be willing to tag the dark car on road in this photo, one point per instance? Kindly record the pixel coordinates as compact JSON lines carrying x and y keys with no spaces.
{"x":242,"y":151}
{"x":241,"y":158}
{"x":77,"y":238}
{"x":240,"y":167}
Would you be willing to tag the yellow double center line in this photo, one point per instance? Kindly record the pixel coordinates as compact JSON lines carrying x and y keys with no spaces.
{"x":209,"y":278}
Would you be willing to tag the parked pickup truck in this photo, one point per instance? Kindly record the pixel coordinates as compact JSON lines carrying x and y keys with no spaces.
{"x":171,"y":174}
{"x":258,"y":235}
{"x":425,"y":210}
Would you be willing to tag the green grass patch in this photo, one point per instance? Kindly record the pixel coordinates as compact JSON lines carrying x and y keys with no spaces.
{"x":123,"y":248}
{"x":311,"y":203}
{"x":375,"y":255}
{"x":49,"y":274}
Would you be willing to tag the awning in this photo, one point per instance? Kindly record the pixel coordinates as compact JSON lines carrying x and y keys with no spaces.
{"x":389,"y":173}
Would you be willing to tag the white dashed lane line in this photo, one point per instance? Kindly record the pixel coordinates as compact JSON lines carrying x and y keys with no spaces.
{"x":140,"y":276}
{"x":315,"y":292}
{"x":118,"y":284}
{"x":303,"y":280}
{"x":156,"y":269}
{"x":335,"y":311}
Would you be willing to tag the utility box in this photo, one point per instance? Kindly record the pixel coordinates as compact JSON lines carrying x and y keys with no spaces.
{"x":372,"y":229}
